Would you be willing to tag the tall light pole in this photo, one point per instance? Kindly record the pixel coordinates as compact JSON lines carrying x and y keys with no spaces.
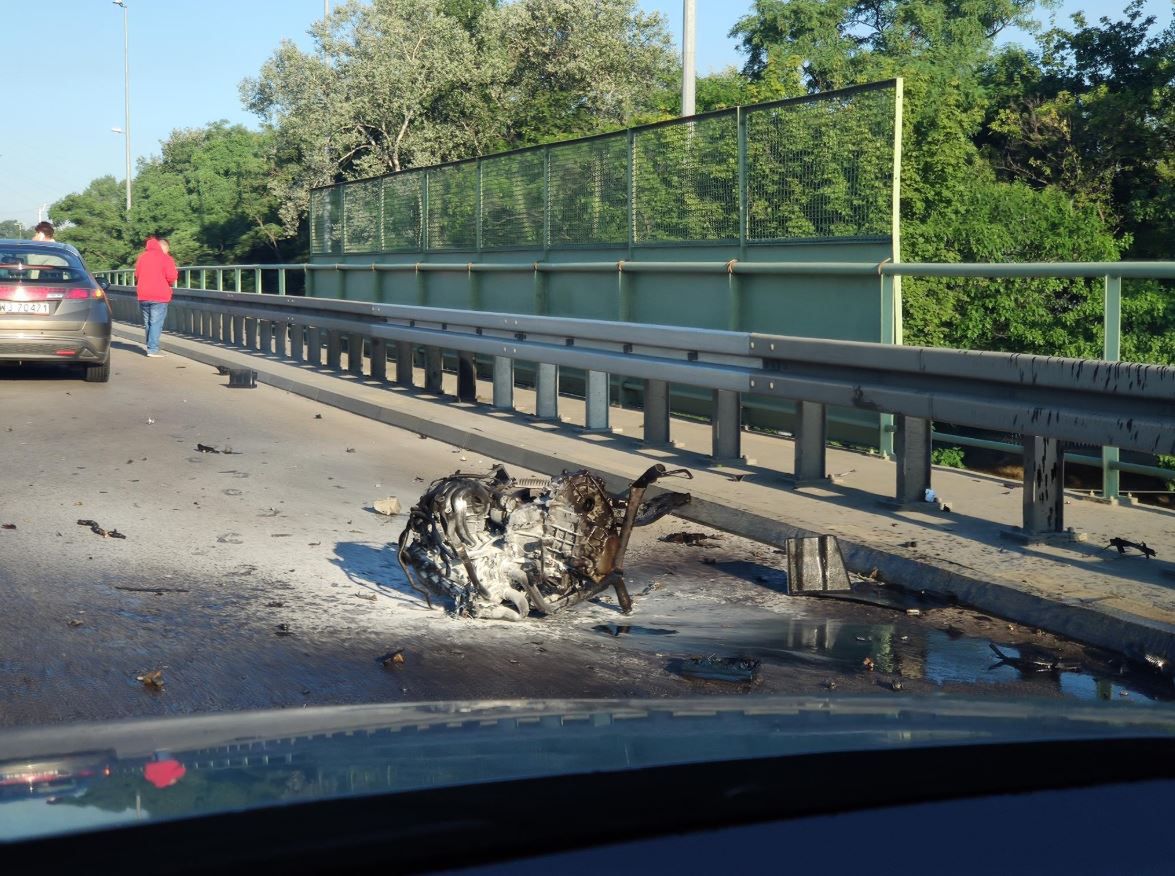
{"x":126,"y":97}
{"x":688,"y":72}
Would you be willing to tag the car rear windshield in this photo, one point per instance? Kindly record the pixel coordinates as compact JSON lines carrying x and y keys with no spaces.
{"x":35,"y":265}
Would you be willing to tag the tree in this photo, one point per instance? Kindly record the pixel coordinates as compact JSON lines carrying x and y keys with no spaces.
{"x":14,"y":228}
{"x":94,"y":221}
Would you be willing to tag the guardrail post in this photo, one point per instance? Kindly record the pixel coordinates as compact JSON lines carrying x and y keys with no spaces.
{"x":267,"y":333}
{"x":281,"y":281}
{"x":656,"y":412}
{"x":547,"y":392}
{"x":503,"y":383}
{"x":811,"y":437}
{"x":1111,"y":352}
{"x":355,"y":354}
{"x":726,"y":426}
{"x":433,"y":370}
{"x":298,"y":341}
{"x":236,"y":279}
{"x":239,"y":331}
{"x":404,"y":355}
{"x":251,"y":334}
{"x":597,"y":402}
{"x":219,"y":279}
{"x":379,"y":359}
{"x":257,"y":280}
{"x":187,"y":278}
{"x":1044,"y":486}
{"x":334,"y":349}
{"x":466,"y":377}
{"x":313,"y":345}
{"x":913,"y":440}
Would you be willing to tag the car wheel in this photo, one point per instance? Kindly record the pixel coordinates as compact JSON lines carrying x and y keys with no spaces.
{"x":98,"y":373}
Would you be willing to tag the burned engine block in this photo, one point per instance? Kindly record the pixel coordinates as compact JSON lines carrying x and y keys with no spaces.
{"x":493,"y":546}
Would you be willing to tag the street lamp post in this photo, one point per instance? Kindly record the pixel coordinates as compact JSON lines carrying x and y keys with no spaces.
{"x":126,"y":97}
{"x":688,"y":67}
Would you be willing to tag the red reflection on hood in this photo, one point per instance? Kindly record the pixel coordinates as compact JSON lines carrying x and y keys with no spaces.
{"x":164,"y":773}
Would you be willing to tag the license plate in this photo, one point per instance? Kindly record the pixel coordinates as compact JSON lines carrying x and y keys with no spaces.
{"x":24,"y":307}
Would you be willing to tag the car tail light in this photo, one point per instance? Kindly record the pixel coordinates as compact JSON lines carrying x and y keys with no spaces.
{"x":41,"y":293}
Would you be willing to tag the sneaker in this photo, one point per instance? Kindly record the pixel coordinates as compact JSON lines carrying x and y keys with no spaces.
{"x":156,"y":355}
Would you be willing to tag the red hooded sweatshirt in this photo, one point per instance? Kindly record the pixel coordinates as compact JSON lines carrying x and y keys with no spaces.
{"x":155,"y":271}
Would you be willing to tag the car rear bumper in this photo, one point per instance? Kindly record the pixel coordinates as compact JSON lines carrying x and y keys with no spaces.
{"x":87,"y":349}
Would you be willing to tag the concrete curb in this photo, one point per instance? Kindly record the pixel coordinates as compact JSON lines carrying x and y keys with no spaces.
{"x":1092,"y":624}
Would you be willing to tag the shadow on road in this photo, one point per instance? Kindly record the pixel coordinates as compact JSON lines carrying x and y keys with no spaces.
{"x":375,"y":569}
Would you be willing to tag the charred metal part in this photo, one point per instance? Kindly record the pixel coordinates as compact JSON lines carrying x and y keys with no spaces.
{"x":493,"y":546}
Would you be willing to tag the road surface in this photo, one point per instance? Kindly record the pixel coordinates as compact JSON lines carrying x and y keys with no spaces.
{"x":258,"y":576}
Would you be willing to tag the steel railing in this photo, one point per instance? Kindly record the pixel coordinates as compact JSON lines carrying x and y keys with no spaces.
{"x":1047,"y":400}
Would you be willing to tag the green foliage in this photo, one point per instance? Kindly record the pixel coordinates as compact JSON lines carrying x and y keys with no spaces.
{"x":14,"y":228}
{"x":951,"y":457}
{"x":94,"y":220}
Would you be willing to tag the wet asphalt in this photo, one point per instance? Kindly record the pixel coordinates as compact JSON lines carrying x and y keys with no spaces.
{"x":259,"y":577}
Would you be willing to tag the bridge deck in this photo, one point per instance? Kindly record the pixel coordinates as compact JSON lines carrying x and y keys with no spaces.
{"x":1076,"y":589}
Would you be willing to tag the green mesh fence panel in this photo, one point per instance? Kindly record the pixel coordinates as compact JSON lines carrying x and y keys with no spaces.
{"x":326,"y":227}
{"x":513,"y":202}
{"x":821,"y":168}
{"x":685,"y":181}
{"x":361,"y":207}
{"x":589,"y":192}
{"x":452,"y":207}
{"x":403,"y":206}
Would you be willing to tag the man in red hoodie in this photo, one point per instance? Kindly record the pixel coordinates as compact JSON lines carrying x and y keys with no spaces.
{"x":155,"y":271}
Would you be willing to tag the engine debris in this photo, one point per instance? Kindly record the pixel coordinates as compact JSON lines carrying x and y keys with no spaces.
{"x":499,"y":547}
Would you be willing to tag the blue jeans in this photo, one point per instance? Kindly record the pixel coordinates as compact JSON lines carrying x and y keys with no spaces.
{"x":154,"y":313}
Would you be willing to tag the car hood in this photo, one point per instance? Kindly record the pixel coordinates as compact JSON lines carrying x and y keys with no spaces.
{"x":186,"y":766}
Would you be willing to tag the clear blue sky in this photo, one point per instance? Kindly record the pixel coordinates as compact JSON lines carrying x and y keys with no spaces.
{"x":187,"y":58}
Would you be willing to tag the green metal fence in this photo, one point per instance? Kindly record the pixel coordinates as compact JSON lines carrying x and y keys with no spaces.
{"x":809,"y":169}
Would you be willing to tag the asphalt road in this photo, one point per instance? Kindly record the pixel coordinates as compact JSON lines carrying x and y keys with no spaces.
{"x":259,"y":577}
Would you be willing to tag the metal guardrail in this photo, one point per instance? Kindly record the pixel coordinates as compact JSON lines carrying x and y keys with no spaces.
{"x":1048,"y":400}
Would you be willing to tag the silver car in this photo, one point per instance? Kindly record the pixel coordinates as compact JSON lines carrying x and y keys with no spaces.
{"x":52,"y":309}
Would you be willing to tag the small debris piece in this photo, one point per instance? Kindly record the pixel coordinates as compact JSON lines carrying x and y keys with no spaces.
{"x":693,"y":539}
{"x":739,"y":670}
{"x":830,"y":684}
{"x":204,"y":448}
{"x":736,"y":477}
{"x":283,"y":630}
{"x":150,"y":421}
{"x":275,"y":604}
{"x":896,"y":684}
{"x":98,"y":530}
{"x":393,"y":658}
{"x":418,"y":435}
{"x":868,"y":663}
{"x":389,"y":507}
{"x":914,"y":612}
{"x":8,"y":526}
{"x":709,"y":561}
{"x":152,"y":680}
{"x":318,"y":416}
{"x":909,"y":544}
{"x":222,"y":370}
{"x":75,"y":622}
{"x":350,"y":449}
{"x":1121,"y":544}
{"x":370,"y":597}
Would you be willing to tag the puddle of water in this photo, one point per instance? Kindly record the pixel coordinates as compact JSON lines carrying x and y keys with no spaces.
{"x":630,"y":630}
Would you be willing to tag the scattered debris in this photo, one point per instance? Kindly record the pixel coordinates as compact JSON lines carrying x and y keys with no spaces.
{"x":896,"y":684}
{"x":275,"y":604}
{"x":8,"y":526}
{"x":318,"y":416}
{"x":736,"y":477}
{"x":204,"y":448}
{"x":868,"y":663}
{"x":498,"y":546}
{"x":692,"y":539}
{"x":74,"y":622}
{"x":1121,"y":544}
{"x":736,"y":670}
{"x":283,"y":630}
{"x":418,"y":435}
{"x":98,"y":530}
{"x":909,"y":544}
{"x":370,"y":597}
{"x":392,"y":658}
{"x":389,"y":507}
{"x":152,"y":680}
{"x":350,"y":449}
{"x":914,"y":612}
{"x":830,"y":684}
{"x":222,"y":370}
{"x":150,"y":421}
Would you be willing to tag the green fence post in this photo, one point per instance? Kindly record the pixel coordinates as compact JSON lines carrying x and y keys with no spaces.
{"x":219,"y":279}
{"x":631,"y":190}
{"x":257,"y":280}
{"x":187,"y":278}
{"x":1112,"y":352}
{"x":888,"y":336}
{"x":281,"y":281}
{"x":236,"y":279}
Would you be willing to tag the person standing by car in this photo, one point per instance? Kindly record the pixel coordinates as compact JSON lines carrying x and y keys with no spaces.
{"x":155,"y":271}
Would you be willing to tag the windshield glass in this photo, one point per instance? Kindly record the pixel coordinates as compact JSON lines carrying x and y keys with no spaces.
{"x":39,"y":265}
